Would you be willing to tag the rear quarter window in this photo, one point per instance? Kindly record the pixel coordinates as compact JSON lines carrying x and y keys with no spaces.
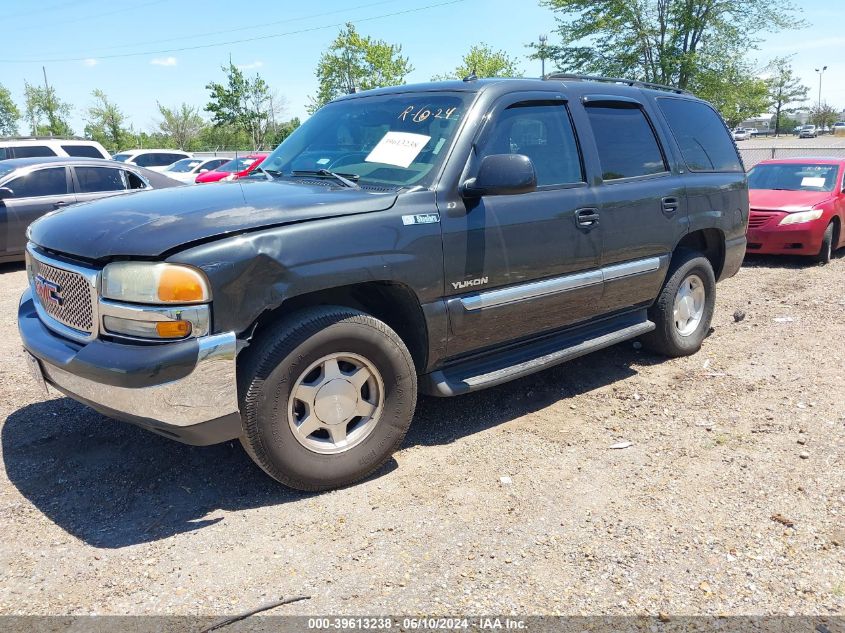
{"x":82,"y":151}
{"x":701,"y":135}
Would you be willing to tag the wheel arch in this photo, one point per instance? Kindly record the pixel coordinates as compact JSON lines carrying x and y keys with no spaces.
{"x":710,"y":243}
{"x":394,"y":303}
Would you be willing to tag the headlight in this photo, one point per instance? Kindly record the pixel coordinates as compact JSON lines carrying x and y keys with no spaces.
{"x":147,"y":282}
{"x":802,"y":216}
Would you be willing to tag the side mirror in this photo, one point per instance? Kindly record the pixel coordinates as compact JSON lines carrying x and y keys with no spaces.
{"x":5,"y":192}
{"x":502,"y":174}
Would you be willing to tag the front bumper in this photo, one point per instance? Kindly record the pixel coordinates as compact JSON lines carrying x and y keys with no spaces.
{"x":796,"y":239}
{"x":186,"y":390}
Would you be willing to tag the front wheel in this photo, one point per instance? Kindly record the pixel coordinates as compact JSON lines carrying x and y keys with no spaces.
{"x":684,"y":309}
{"x":826,"y":250}
{"x":327,"y":396}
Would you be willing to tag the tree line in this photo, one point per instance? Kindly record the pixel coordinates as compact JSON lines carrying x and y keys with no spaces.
{"x":697,"y":45}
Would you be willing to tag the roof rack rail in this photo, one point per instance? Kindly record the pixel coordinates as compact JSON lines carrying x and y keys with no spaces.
{"x":617,"y":80}
{"x":30,"y":137}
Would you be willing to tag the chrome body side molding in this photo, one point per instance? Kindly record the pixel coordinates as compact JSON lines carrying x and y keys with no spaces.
{"x":566,"y":283}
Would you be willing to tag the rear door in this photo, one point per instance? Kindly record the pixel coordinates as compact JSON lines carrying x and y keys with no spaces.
{"x":36,"y":193}
{"x":520,"y":265}
{"x":641,"y":200}
{"x":91,"y":183}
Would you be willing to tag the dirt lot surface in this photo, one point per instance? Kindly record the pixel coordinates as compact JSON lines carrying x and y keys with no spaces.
{"x":730,"y":499}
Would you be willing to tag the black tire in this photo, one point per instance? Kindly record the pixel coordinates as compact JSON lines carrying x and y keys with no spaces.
{"x":666,"y":338}
{"x":826,"y":251}
{"x":276,"y":361}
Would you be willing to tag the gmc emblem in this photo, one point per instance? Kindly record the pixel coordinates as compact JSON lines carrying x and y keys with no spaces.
{"x":48,"y":291}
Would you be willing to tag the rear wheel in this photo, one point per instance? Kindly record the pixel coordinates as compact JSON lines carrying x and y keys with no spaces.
{"x":826,"y":250}
{"x":326,"y":398}
{"x":684,"y":309}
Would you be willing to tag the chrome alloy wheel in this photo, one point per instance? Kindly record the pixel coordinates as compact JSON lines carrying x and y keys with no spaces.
{"x":336,"y":403}
{"x":689,"y":305}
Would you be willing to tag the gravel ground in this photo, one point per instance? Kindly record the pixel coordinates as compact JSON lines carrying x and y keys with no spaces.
{"x":730,"y":500}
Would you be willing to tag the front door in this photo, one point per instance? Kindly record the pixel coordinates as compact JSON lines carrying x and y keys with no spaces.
{"x":520,"y":265}
{"x":35,"y":193}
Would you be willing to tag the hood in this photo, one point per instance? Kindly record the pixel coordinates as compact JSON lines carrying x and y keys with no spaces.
{"x":150,"y":223}
{"x":775,"y":200}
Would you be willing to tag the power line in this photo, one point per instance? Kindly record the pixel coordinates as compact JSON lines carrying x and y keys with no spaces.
{"x":123,"y":9}
{"x":241,"y":28}
{"x":229,"y":42}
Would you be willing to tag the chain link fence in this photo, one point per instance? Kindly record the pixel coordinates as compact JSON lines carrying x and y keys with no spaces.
{"x":753,"y":155}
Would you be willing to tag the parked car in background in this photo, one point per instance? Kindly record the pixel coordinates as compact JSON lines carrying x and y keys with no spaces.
{"x":187,"y":169}
{"x":31,"y":187}
{"x":741,"y":134}
{"x":797,"y":207}
{"x":753,"y":131}
{"x":155,"y":159}
{"x":37,"y":146}
{"x":808,"y":131}
{"x":233,"y":169}
{"x":838,"y":127}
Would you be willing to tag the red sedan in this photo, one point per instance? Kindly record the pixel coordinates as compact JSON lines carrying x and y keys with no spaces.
{"x":797,"y":207}
{"x":234,"y":169}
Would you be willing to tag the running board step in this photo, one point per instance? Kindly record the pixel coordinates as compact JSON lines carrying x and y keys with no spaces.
{"x":514,"y":362}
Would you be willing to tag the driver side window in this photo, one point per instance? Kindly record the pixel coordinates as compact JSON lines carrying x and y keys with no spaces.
{"x":543,"y":132}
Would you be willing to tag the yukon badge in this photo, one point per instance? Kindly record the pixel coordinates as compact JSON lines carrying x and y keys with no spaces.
{"x":457,"y":285}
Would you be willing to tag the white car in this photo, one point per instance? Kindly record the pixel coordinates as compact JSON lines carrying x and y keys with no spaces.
{"x":155,"y":159}
{"x":39,"y":147}
{"x":808,"y":131}
{"x":741,"y":134}
{"x":187,"y":169}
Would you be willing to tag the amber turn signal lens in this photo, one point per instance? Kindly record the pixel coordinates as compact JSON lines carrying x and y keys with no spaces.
{"x":180,"y":285}
{"x":173,"y":329}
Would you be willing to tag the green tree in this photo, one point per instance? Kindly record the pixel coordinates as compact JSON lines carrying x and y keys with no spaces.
{"x":483,"y":61}
{"x":355,"y":62}
{"x":181,"y":124}
{"x":45,"y":112}
{"x":663,"y":41}
{"x":105,"y":122}
{"x":9,"y":113}
{"x":246,"y":104}
{"x":735,"y":90}
{"x":784,"y":89}
{"x":284,"y":130}
{"x":823,"y":114}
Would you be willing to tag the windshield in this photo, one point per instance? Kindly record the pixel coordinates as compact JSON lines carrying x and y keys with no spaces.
{"x":184,"y":166}
{"x":121,"y":157}
{"x":237,"y":164}
{"x":394,"y":140}
{"x":789,"y":177}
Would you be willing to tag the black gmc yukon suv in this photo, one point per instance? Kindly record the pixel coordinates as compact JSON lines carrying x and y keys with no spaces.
{"x":440,"y":238}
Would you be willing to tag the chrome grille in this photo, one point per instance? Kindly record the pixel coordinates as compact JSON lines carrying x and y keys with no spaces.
{"x":74,"y":303}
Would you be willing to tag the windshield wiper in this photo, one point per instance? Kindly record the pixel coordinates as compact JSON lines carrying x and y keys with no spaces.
{"x":347,"y":180}
{"x":270,"y":172}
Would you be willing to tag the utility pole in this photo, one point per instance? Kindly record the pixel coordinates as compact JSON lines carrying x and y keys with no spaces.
{"x":48,"y":101}
{"x":819,"y":117}
{"x":542,"y":52}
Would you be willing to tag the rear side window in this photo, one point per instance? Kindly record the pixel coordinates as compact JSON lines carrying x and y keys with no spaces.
{"x":135,"y":181}
{"x":145,"y":160}
{"x":83,"y":151}
{"x":44,"y":182}
{"x":701,"y":135}
{"x":33,"y":151}
{"x":96,"y":179}
{"x":626,"y":142}
{"x":543,"y":132}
